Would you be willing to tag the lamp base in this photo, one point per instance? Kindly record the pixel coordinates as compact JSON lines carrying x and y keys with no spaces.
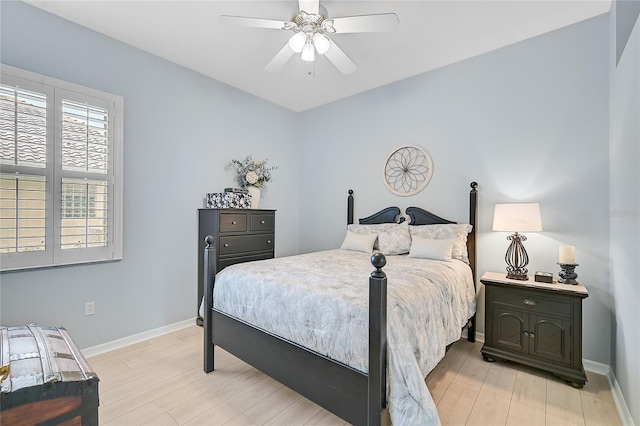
{"x":517,"y":276}
{"x":516,"y":258}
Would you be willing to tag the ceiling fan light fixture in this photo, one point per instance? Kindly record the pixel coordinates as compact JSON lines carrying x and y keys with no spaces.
{"x":321,"y":42}
{"x":297,"y":42}
{"x":308,"y":51}
{"x":312,"y":32}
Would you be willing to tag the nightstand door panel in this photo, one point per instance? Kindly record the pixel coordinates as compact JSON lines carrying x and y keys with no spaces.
{"x":550,"y":338}
{"x":509,"y":328}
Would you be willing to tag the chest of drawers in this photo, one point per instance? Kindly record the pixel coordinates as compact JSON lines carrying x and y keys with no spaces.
{"x":240,"y":235}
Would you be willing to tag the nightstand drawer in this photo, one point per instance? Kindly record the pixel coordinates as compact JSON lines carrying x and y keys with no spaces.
{"x":262,"y":222}
{"x":233,"y":222}
{"x":530,"y":300}
{"x":245,"y":243}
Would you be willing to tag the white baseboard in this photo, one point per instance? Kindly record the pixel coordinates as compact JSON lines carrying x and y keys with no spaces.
{"x":136,"y":338}
{"x":618,"y":399}
{"x":596,"y":367}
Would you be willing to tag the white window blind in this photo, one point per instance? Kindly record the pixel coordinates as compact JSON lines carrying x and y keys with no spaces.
{"x":23,"y":213}
{"x":85,"y":137}
{"x":23,"y":127}
{"x":61,"y":172}
{"x":85,"y":214}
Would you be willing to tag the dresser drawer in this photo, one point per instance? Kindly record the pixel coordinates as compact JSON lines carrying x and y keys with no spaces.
{"x":245,"y":243}
{"x":233,"y":222}
{"x":523,"y":299}
{"x":232,"y":260}
{"x":262,"y":222}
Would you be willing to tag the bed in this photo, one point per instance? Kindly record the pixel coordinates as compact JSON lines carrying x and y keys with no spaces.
{"x":336,"y":350}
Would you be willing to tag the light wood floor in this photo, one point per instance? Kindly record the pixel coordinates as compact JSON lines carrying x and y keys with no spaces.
{"x":161,"y":382}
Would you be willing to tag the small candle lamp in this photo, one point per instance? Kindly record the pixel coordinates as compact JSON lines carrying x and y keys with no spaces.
{"x":567,"y":262}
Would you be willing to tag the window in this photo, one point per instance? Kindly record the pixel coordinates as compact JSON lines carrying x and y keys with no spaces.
{"x":60,"y":172}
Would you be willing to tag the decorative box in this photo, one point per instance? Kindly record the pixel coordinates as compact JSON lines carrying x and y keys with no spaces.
{"x":544,"y":277}
{"x":228,"y":200}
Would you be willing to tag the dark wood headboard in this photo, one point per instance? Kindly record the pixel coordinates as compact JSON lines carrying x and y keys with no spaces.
{"x":419,"y":216}
{"x":388,"y":215}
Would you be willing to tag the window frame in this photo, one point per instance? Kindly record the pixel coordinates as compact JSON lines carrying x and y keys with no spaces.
{"x":56,"y":90}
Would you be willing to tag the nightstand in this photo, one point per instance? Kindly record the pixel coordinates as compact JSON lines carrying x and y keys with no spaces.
{"x":536,"y":324}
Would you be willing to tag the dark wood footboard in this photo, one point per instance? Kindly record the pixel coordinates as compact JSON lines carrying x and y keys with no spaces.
{"x":356,"y":397}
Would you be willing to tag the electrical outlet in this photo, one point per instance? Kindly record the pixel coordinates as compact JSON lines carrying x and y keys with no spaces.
{"x":90,"y":308}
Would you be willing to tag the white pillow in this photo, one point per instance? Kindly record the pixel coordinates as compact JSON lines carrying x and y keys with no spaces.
{"x":427,"y":248}
{"x":393,"y":238}
{"x":359,"y":242}
{"x":449,"y":231}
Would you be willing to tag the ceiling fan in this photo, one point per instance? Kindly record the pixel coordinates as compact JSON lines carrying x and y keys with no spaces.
{"x":311,"y":29}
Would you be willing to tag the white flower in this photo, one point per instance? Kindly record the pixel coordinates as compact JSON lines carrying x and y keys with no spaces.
{"x":252,"y":177}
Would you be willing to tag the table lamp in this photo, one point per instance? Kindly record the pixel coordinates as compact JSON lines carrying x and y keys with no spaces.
{"x":516,"y":218}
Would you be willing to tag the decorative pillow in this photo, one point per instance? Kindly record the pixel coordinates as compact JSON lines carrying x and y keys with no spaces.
{"x":427,"y":248}
{"x":393,"y":238}
{"x":359,"y":242}
{"x":450,"y":231}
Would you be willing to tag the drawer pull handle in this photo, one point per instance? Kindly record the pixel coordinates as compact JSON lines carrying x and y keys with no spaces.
{"x":262,"y":222}
{"x":529,"y":302}
{"x":233,"y":222}
{"x":526,"y":333}
{"x":226,"y":244}
{"x":268,"y":241}
{"x":532,"y":335}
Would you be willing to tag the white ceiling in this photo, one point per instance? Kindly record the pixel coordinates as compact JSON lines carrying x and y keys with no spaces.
{"x":431,"y":34}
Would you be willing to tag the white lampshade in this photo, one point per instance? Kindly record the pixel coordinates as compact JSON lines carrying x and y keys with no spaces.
{"x":321,"y":42}
{"x":308,"y":52}
{"x":522,"y":217}
{"x":296,"y":43}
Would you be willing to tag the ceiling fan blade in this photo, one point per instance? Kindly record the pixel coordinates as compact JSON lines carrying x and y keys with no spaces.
{"x":366,"y":23}
{"x":280,"y":59}
{"x":244,"y":21}
{"x":340,"y":59}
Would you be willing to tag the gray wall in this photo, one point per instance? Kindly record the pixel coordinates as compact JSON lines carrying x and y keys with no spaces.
{"x":181,"y":129}
{"x":528,"y":122}
{"x":624,"y":205}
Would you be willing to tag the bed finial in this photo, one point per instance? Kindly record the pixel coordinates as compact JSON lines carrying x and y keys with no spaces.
{"x":474,"y":185}
{"x":378,"y":261}
{"x":350,"y":207}
{"x":209,"y":239}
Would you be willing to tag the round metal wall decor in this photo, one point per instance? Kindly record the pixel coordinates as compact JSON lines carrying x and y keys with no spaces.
{"x":408,"y":170}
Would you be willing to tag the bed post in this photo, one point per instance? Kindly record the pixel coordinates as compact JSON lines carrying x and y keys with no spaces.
{"x":209,"y":278}
{"x":350,"y":208}
{"x":473,"y":221}
{"x":378,"y":414}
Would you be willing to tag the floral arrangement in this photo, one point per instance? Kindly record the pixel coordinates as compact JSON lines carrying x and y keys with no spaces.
{"x":251,"y":173}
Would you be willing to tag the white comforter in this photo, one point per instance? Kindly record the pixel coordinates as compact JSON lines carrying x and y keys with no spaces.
{"x":326,"y":310}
